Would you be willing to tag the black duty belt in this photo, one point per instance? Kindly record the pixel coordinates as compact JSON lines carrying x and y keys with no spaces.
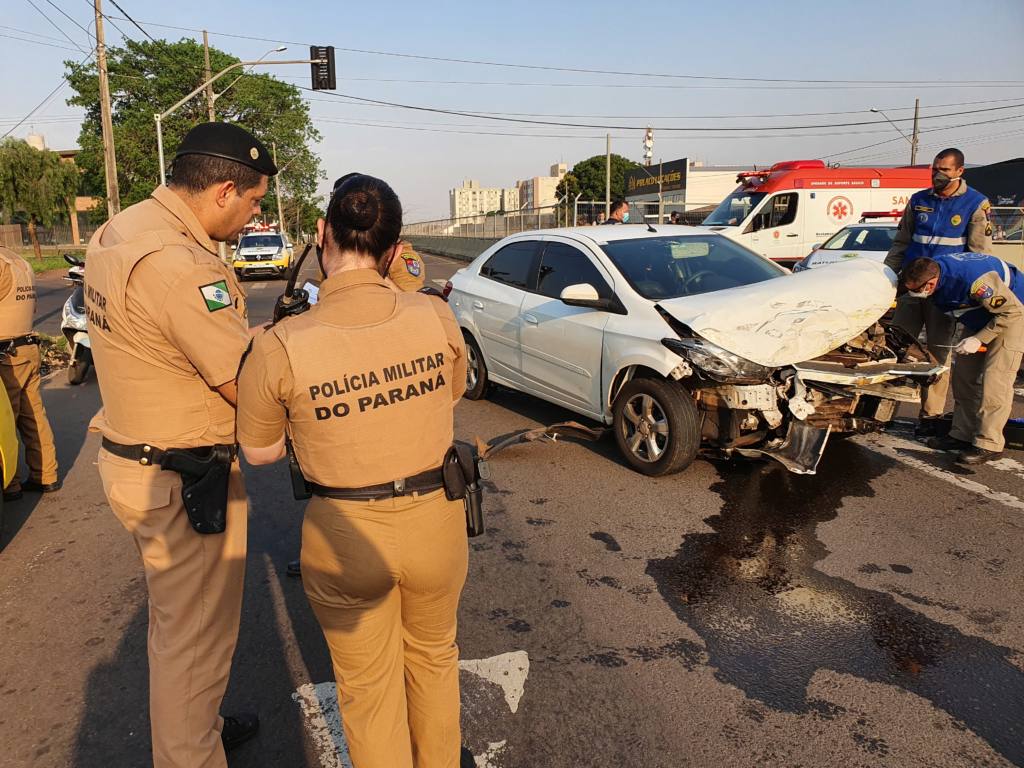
{"x":424,"y":482}
{"x":29,"y":339}
{"x":147,"y":454}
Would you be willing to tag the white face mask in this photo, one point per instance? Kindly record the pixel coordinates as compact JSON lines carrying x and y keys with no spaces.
{"x":919,"y":294}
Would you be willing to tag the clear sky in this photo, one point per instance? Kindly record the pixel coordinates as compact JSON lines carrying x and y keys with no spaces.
{"x":424,"y":154}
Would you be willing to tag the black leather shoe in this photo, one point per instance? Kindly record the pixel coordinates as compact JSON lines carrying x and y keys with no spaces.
{"x":238,"y":729}
{"x":466,"y":759}
{"x":947,"y":443}
{"x":975,"y":455}
{"x":294,"y":569}
{"x":12,"y":495}
{"x":930,"y":426}
{"x":35,"y":487}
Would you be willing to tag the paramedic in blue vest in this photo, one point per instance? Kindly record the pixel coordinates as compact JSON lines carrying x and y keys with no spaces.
{"x":948,"y":218}
{"x":986,"y":295}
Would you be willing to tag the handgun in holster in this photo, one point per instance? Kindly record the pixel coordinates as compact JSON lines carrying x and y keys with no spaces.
{"x":463,"y":471}
{"x":301,"y":489}
{"x":205,"y":477}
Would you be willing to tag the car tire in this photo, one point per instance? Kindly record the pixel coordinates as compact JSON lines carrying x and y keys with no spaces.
{"x":476,"y":371}
{"x":657,"y":426}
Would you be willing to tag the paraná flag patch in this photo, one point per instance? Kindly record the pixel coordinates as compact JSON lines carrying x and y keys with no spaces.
{"x":216,"y":295}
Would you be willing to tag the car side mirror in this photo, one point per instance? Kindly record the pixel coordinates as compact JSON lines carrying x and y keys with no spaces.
{"x":585,"y":295}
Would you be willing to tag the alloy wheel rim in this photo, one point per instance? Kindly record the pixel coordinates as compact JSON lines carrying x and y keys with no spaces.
{"x":472,"y":368}
{"x":645,"y":428}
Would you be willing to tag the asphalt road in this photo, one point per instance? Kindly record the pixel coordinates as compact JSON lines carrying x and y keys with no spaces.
{"x":734,"y":615}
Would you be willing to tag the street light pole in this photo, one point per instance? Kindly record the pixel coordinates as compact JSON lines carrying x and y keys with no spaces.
{"x":206,"y":76}
{"x":277,"y":188}
{"x":159,"y":116}
{"x":911,"y":141}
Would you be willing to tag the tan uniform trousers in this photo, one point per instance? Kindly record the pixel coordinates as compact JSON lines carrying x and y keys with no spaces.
{"x":21,"y":380}
{"x":912,"y":314}
{"x":983,"y":391}
{"x":195,"y":601}
{"x":384,"y":579}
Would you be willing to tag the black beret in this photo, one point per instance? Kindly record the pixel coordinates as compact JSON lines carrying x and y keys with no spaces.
{"x":230,"y":142}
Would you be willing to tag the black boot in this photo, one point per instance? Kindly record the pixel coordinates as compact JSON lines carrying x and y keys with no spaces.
{"x":975,"y":455}
{"x":466,"y":759}
{"x":294,"y":569}
{"x":238,"y":729}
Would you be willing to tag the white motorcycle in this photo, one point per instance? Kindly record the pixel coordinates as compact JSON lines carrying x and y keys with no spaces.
{"x":73,"y":323}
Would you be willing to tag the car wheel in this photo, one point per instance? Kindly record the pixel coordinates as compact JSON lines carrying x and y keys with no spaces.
{"x":476,"y":370}
{"x":657,"y":426}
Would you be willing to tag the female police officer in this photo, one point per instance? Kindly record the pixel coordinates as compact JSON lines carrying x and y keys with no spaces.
{"x":365,"y":383}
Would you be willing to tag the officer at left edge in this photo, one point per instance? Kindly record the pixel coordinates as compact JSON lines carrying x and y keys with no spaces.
{"x":19,"y":370}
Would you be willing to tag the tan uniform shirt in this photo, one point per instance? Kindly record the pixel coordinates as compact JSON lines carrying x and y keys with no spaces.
{"x":408,"y":271}
{"x":979,"y":232}
{"x":167,"y":322}
{"x":17,"y":295}
{"x":1005,"y":308}
{"x":366,"y":383}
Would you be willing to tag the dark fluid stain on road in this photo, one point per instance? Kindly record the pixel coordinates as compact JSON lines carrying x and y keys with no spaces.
{"x":896,"y":568}
{"x":607,"y":539}
{"x":769,"y":619}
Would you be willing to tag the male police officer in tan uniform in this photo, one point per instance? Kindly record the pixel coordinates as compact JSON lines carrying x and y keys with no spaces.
{"x":383,"y":551}
{"x":168,"y":326}
{"x":19,"y":369}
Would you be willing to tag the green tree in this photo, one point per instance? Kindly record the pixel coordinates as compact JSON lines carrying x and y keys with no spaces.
{"x":34,"y":185}
{"x":587,"y":177}
{"x":148,"y":77}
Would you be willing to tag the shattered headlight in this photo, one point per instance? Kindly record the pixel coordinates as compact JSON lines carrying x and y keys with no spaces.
{"x":715,"y":360}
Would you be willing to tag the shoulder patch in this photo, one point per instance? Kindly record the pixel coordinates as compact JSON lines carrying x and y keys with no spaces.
{"x":412,"y":266}
{"x":216,"y":295}
{"x":997,"y":301}
{"x":981,"y":291}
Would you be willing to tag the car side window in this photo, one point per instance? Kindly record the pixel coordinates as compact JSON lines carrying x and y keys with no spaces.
{"x":512,"y":264}
{"x":563,"y":265}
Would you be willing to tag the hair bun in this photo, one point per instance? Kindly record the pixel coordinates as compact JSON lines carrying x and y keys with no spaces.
{"x":360,"y":210}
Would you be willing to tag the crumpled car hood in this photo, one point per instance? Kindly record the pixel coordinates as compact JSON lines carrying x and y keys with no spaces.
{"x":793,"y":318}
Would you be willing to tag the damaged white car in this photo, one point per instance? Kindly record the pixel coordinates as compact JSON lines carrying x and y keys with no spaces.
{"x":680,"y":339}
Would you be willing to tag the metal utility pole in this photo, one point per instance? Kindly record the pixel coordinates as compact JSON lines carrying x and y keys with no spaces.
{"x":207,"y":74}
{"x":607,"y":175}
{"x":277,"y":189}
{"x":913,"y":140}
{"x":106,"y":122}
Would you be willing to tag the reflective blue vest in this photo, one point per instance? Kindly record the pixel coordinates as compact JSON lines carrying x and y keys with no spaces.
{"x":958,"y":273}
{"x":940,"y":223}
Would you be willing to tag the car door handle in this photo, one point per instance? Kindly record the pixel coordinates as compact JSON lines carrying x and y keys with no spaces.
{"x":793,"y":234}
{"x":530,"y":319}
{"x":478,"y":305}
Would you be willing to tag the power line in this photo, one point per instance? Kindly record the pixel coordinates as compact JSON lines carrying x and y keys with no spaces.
{"x":64,"y":13}
{"x":29,"y":32}
{"x":54,"y":25}
{"x":133,"y":21}
{"x":930,"y":130}
{"x":580,"y":70}
{"x":40,"y":42}
{"x":484,"y":116}
{"x":46,"y":99}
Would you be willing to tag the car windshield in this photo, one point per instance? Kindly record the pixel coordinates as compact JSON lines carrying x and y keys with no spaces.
{"x":734,"y":209}
{"x":670,"y":267}
{"x":260,"y":241}
{"x":862,"y":238}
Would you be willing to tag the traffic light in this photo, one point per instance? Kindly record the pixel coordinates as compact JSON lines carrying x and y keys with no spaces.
{"x":324,"y":77}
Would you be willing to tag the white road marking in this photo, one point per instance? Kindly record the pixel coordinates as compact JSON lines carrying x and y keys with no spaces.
{"x":1008,"y":465}
{"x":259,"y":286}
{"x":895,"y":448}
{"x":439,"y":281}
{"x":319,"y":705}
{"x":509,"y":670}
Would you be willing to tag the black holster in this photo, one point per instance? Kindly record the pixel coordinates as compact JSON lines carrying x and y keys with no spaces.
{"x":301,"y":489}
{"x":204,"y":484}
{"x":462,"y":471}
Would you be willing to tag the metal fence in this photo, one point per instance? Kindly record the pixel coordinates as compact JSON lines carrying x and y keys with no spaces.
{"x":57,"y":235}
{"x":494,"y":226}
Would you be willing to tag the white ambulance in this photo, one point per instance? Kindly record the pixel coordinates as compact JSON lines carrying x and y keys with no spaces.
{"x":784,"y":211}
